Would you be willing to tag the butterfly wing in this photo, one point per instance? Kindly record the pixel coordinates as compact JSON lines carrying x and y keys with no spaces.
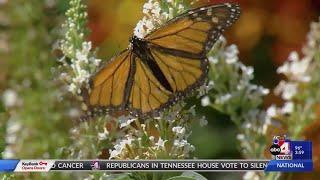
{"x":147,"y":93}
{"x":109,"y":85}
{"x":182,"y":73}
{"x":178,"y":49}
{"x":194,"y":32}
{"x":125,"y":83}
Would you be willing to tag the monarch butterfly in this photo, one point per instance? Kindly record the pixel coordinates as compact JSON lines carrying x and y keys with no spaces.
{"x":161,"y":68}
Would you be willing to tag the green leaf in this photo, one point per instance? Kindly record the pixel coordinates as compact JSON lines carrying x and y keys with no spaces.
{"x":118,"y":177}
{"x":194,"y":175}
{"x":145,"y":140}
{"x":182,"y":178}
{"x":8,"y":176}
{"x":2,"y":109}
{"x":189,"y":175}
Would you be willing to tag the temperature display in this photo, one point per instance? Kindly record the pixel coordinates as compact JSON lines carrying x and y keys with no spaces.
{"x":302,"y":149}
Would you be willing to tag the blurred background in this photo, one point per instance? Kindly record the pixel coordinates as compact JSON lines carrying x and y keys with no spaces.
{"x":266,"y":33}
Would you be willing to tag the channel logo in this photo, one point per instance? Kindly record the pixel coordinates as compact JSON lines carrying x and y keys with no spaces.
{"x":290,"y":155}
{"x":95,"y":165}
{"x":281,"y":148}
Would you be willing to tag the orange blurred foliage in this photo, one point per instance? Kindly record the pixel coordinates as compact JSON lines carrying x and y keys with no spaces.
{"x":287,"y":22}
{"x":112,"y":23}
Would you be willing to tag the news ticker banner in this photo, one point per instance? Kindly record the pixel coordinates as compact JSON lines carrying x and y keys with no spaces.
{"x":131,"y":165}
{"x":288,"y":156}
{"x":150,"y":165}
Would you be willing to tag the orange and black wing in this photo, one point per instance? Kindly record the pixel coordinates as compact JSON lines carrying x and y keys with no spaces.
{"x":194,"y":32}
{"x":176,"y":64}
{"x":179,"y":48}
{"x":147,"y":93}
{"x":109,"y":86}
{"x":126,"y":84}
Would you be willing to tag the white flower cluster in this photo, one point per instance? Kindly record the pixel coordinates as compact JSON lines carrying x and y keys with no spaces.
{"x":313,"y":40}
{"x":300,"y":91}
{"x":10,"y":98}
{"x":83,"y":66}
{"x":298,"y":73}
{"x":296,"y":69}
{"x":82,"y":59}
{"x":230,"y":81}
{"x":126,"y":120}
{"x":164,"y":136}
{"x":157,"y":13}
{"x":75,"y":28}
{"x":251,"y":176}
{"x":120,"y":146}
{"x":233,"y":93}
{"x":181,"y":147}
{"x":12,"y":136}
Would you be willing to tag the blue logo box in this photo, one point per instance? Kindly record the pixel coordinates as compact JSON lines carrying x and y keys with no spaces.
{"x":301,"y":159}
{"x":301,"y":149}
{"x":290,"y":166}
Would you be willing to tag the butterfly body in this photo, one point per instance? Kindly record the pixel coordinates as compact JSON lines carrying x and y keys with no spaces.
{"x":161,"y":68}
{"x":141,"y":49}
